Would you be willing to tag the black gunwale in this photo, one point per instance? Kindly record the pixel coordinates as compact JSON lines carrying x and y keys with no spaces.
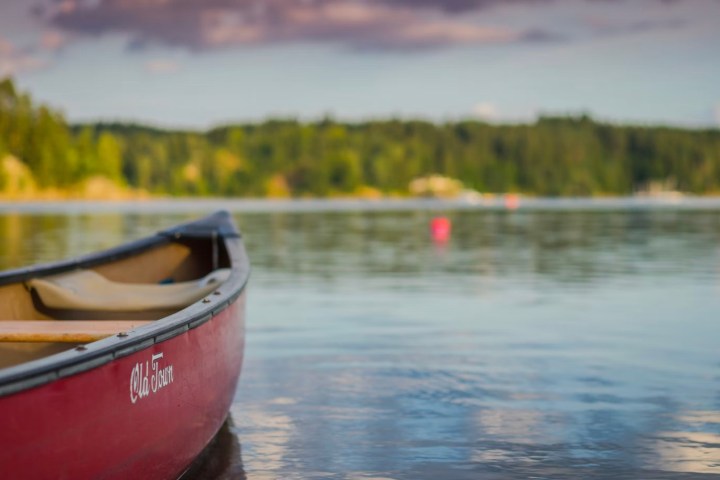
{"x":61,"y":365}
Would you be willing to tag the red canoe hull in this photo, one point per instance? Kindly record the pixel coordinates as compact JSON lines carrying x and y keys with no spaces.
{"x":145,"y":415}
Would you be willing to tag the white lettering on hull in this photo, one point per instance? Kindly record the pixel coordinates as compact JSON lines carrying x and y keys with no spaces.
{"x":149,"y":377}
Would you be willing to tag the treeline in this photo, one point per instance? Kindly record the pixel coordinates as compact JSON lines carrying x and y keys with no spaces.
{"x":554,"y":156}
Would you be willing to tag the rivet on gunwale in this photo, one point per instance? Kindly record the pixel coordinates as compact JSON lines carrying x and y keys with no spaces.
{"x":206,"y":300}
{"x":122,"y":334}
{"x":217,"y":293}
{"x":81,"y":348}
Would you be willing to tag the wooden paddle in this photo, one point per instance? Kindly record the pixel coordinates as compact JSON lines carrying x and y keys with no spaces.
{"x":65,"y":331}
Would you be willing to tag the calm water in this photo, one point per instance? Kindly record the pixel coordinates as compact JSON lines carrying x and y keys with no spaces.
{"x":548,"y":343}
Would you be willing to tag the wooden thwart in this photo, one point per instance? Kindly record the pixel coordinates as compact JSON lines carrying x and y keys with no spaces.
{"x":65,"y":331}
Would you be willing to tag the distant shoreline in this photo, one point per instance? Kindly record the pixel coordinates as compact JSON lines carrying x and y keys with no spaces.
{"x":182,"y":205}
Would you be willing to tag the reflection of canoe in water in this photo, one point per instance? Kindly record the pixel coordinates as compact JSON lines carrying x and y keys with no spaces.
{"x":122,"y":364}
{"x":221,"y":459}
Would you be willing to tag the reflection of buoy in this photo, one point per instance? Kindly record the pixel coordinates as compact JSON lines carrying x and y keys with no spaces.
{"x":512,"y":201}
{"x":440,"y":229}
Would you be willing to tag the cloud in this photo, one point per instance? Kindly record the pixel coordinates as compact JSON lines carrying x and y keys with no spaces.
{"x":537,"y":35}
{"x":716,"y":113}
{"x":14,"y":60}
{"x":161,"y":66}
{"x":485,"y":111}
{"x":358,"y":24}
{"x":602,"y":26}
{"x":198,"y":24}
{"x":459,"y":6}
{"x":52,"y":40}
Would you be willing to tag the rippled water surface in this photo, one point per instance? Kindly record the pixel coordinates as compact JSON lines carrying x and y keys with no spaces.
{"x":548,"y":343}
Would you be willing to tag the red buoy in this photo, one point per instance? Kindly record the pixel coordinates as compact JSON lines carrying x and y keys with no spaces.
{"x":512,"y":201}
{"x":440,"y":229}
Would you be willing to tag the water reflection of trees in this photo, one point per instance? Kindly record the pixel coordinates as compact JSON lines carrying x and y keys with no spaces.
{"x":34,"y":238}
{"x":573,"y":247}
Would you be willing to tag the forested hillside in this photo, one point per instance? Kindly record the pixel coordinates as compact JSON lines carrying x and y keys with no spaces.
{"x":554,"y":156}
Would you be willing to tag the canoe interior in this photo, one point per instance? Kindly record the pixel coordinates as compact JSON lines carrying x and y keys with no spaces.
{"x":169,"y":262}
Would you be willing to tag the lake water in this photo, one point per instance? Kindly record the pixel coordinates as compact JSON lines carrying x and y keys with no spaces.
{"x":563,"y":340}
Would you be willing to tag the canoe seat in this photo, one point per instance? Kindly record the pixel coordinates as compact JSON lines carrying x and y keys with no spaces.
{"x":53,"y":331}
{"x":87,"y":290}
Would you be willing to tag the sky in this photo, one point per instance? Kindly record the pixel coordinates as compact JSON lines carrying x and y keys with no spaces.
{"x":200,"y":63}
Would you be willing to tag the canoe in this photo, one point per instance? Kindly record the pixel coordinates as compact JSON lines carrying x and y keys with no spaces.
{"x":124,"y":363}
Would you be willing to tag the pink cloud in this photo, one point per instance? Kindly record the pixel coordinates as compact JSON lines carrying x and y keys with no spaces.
{"x":220,"y":23}
{"x":14,"y":60}
{"x":360,"y":24}
{"x":53,"y":40}
{"x":161,"y":66}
